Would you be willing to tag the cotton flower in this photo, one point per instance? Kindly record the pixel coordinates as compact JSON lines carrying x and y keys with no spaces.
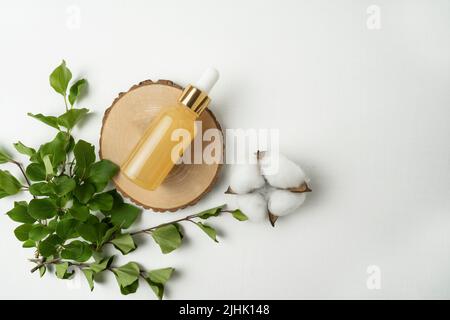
{"x":280,"y":172}
{"x":273,"y":187}
{"x":283,"y":202}
{"x":254,"y":205}
{"x":246,"y":178}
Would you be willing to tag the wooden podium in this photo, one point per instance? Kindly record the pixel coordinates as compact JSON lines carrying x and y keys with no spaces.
{"x":123,"y":125}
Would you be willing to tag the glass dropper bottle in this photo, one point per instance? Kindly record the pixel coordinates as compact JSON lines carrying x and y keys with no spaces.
{"x":157,"y":151}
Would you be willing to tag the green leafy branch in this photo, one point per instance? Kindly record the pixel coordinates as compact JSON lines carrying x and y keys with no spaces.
{"x":169,"y":237}
{"x":71,"y":217}
{"x":127,"y":275}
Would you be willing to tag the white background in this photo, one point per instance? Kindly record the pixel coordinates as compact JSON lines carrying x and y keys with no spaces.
{"x":366,"y":113}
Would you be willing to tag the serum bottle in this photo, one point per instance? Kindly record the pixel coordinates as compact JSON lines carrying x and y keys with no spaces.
{"x":152,"y":158}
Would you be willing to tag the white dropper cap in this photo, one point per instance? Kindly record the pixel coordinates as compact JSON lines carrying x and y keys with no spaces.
{"x":207,"y":80}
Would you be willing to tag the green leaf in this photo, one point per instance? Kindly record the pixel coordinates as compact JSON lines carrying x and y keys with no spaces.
{"x":38,"y":232}
{"x":60,"y":77}
{"x":61,"y":270}
{"x":76,"y":89}
{"x":23,"y":149}
{"x":88,"y":232}
{"x":71,"y":117}
{"x":52,"y":224}
{"x":92,"y":219}
{"x":160,"y":275}
{"x":132,"y":288}
{"x":127,"y":274}
{"x":63,"y":202}
{"x":62,"y":185}
{"x":210,"y":231}
{"x":101,"y":202}
{"x":178,"y":226}
{"x":239,"y":215}
{"x":89,"y":274}
{"x":8,"y":183}
{"x":42,"y":270}
{"x":22,"y":231}
{"x":117,"y":201}
{"x":168,"y":237}
{"x":102,"y":265}
{"x":92,"y":232}
{"x":77,"y":250}
{"x":124,"y":215}
{"x":84,"y":192}
{"x":57,"y":148}
{"x":213,"y":212}
{"x":67,"y":229}
{"x":42,"y":208}
{"x":29,"y":244}
{"x":124,"y":243}
{"x":48,"y":166}
{"x":48,"y":247}
{"x":48,"y":120}
{"x":41,"y":189}
{"x":4,"y":157}
{"x":109,"y":234}
{"x":157,"y":288}
{"x":79,"y":212}
{"x":157,"y":279}
{"x":20,"y":213}
{"x":3,"y":194}
{"x":85,"y":156}
{"x":101,"y":173}
{"x":36,"y":172}
{"x":71,"y":144}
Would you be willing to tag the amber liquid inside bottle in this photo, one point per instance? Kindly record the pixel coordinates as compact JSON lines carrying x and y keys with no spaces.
{"x":161,"y":146}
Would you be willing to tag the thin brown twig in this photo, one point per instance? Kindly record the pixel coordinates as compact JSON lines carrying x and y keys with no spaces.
{"x":146,"y":230}
{"x":18,"y":164}
{"x":71,"y":167}
{"x":41,"y":262}
{"x":23,"y":171}
{"x":187,"y":218}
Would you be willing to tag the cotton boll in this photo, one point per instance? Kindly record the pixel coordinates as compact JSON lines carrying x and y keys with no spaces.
{"x":283,"y":202}
{"x":266,"y":191}
{"x":281,"y":172}
{"x":253,"y":205}
{"x":231,"y":201}
{"x":245,"y":178}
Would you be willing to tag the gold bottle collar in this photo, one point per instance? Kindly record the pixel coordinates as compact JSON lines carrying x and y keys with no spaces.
{"x":194,"y":99}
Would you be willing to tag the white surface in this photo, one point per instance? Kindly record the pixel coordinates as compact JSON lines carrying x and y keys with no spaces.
{"x":207,"y":80}
{"x":365,"y":112}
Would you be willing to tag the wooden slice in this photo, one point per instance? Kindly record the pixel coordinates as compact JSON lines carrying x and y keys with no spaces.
{"x":123,"y":125}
